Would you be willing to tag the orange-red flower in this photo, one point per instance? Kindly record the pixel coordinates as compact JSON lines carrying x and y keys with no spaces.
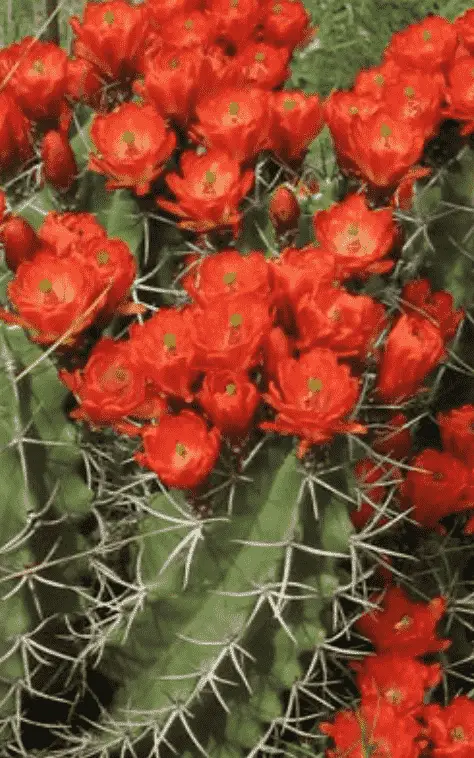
{"x":460,"y":93}
{"x":285,"y":23}
{"x":229,"y":273}
{"x":19,"y":240}
{"x":84,"y":82}
{"x":428,"y":44}
{"x":417,"y":298}
{"x":190,"y":30}
{"x":39,"y":79}
{"x":403,"y":626}
{"x":234,"y":20}
{"x":132,"y":144}
{"x":464,"y":26}
{"x":358,"y":237}
{"x":230,"y":400}
{"x":313,"y":395}
{"x":383,"y":148}
{"x":340,"y":110}
{"x":180,"y":449}
{"x":111,"y":36}
{"x":208,"y":192}
{"x":297,"y":120}
{"x":111,"y":385}
{"x":415,"y":98}
{"x":284,"y":210}
{"x":54,"y":296}
{"x":235,"y":121}
{"x":16,"y":144}
{"x":115,"y":267}
{"x":66,"y":232}
{"x":259,"y":65}
{"x":457,"y":432}
{"x":373,"y":82}
{"x":451,"y":729}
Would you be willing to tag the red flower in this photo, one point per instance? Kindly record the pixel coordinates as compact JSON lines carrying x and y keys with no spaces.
{"x":399,"y":679}
{"x":234,"y":20}
{"x":172,"y":82}
{"x":234,"y":121}
{"x":208,"y":192}
{"x":112,"y":37}
{"x":402,"y":626}
{"x":340,"y":110}
{"x":297,"y":120}
{"x":67,"y":232}
{"x":357,"y":236}
{"x":428,"y":44}
{"x":228,"y":273}
{"x":284,"y":210}
{"x":373,"y":82}
{"x":331,"y":317}
{"x":259,"y":65}
{"x":464,"y":26}
{"x":376,"y":729}
{"x":373,"y":480}
{"x":228,"y":332}
{"x":190,"y":30}
{"x":114,"y":265}
{"x":383,"y":148}
{"x":84,"y":82}
{"x":457,"y":433}
{"x":39,"y":81}
{"x":167,"y":352}
{"x":16,"y":144}
{"x":393,"y":439}
{"x":312,"y":396}
{"x":162,"y":11}
{"x":19,"y":240}
{"x":285,"y":23}
{"x":55,"y":295}
{"x":133,"y":143}
{"x":415,"y":98}
{"x":413,"y":348}
{"x":444,"y":485}
{"x":277,"y":348}
{"x":180,"y":450}
{"x":59,"y":163}
{"x":111,"y":385}
{"x":460,"y":93}
{"x":435,"y":306}
{"x":230,"y":400}
{"x":451,"y":729}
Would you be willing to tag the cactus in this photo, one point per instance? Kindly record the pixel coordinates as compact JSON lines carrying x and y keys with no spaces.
{"x":220,"y":619}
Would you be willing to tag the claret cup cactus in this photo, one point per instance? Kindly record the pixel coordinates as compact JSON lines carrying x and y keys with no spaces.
{"x":237,"y":423}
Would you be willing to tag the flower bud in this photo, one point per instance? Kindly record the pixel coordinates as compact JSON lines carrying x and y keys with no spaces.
{"x":284,"y":210}
{"x":59,"y":163}
{"x":19,"y":240}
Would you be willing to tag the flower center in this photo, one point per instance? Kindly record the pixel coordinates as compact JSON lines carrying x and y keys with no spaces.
{"x":109,"y":18}
{"x":353,"y":230}
{"x":174,"y":63}
{"x":188,"y":24}
{"x":385,"y":131}
{"x":169,"y":341}
{"x":289,"y":104}
{"x":233,"y":109}
{"x":45,"y":285}
{"x":236,"y":320}
{"x":379,"y":80}
{"x":38,"y":66}
{"x":353,"y":109}
{"x":234,"y":3}
{"x":314,"y":384}
{"x":229,"y":277}
{"x":181,"y":449}
{"x":120,"y":374}
{"x":394,"y":696}
{"x":457,"y":734}
{"x":231,"y":389}
{"x":128,"y":137}
{"x":426,"y":35}
{"x":277,"y":8}
{"x":259,"y":57}
{"x":409,"y":91}
{"x":438,"y":476}
{"x":335,"y":314}
{"x":404,"y":623}
{"x":102,"y":257}
{"x":210,"y":177}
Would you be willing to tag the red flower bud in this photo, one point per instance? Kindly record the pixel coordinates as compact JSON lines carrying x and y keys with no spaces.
{"x":284,"y":210}
{"x":443,"y":486}
{"x":413,"y":348}
{"x":59,"y":164}
{"x":457,"y":433}
{"x":230,"y":400}
{"x":19,"y":240}
{"x":402,"y":626}
{"x":180,"y":450}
